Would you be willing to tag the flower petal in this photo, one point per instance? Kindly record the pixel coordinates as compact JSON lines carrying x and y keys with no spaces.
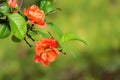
{"x":12,"y":3}
{"x":45,"y":63}
{"x":37,"y":59}
{"x":42,"y":25}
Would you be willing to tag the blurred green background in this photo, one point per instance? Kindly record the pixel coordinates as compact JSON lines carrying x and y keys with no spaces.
{"x":96,"y":21}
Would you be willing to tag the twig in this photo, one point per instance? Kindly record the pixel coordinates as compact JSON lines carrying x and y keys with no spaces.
{"x":61,"y":50}
{"x":52,"y":12}
{"x":51,"y":36}
{"x":30,"y":37}
{"x":29,"y":34}
{"x":27,"y":42}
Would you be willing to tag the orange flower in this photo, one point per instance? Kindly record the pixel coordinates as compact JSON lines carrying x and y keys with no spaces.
{"x":36,"y":15}
{"x":46,"y":51}
{"x":12,"y":3}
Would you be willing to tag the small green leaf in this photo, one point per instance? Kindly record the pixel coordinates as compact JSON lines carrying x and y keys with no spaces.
{"x":4,"y":31}
{"x":71,"y":36}
{"x":73,"y":54}
{"x":47,"y":6}
{"x":17,"y":25}
{"x":55,"y":28}
{"x":43,"y":34}
{"x":32,"y":33}
{"x":59,"y":9}
{"x":4,"y":9}
{"x":67,"y":50}
{"x":15,"y":39}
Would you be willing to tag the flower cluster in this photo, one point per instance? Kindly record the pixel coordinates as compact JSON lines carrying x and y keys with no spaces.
{"x":22,"y":24}
{"x":46,"y":48}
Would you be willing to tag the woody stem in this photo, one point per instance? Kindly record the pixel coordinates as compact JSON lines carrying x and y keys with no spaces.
{"x":27,"y":42}
{"x":61,"y":50}
{"x":51,"y":36}
{"x":30,"y":37}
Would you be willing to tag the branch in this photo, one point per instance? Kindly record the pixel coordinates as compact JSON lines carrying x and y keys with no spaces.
{"x":30,"y":37}
{"x":27,"y":42}
{"x":51,"y":36}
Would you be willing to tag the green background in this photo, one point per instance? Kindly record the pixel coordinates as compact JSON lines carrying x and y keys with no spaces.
{"x":95,"y":21}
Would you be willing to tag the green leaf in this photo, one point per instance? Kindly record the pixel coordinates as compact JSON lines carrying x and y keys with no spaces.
{"x":47,"y":6}
{"x":32,"y":33}
{"x":15,"y":39}
{"x":55,"y":28}
{"x":73,"y":55}
{"x":71,"y":36}
{"x":67,"y":50}
{"x":43,"y":34}
{"x":4,"y":31}
{"x":4,"y":9}
{"x":17,"y":25}
{"x":59,"y":9}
